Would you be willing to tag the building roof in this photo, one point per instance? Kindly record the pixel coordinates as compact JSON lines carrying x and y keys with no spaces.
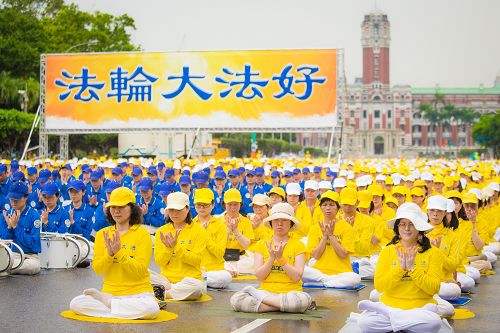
{"x":456,"y":91}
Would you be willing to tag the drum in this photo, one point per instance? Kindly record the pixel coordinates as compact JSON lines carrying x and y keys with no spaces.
{"x":59,"y":251}
{"x":7,"y":262}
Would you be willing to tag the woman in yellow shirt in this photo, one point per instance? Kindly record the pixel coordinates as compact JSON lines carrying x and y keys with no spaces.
{"x":122,"y":255}
{"x":329,"y":243}
{"x":443,"y":238}
{"x":279,"y":265}
{"x":213,"y":257}
{"x":408,"y":275}
{"x":179,"y":246}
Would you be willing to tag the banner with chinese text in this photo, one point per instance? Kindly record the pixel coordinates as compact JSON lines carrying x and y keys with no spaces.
{"x":169,"y":90}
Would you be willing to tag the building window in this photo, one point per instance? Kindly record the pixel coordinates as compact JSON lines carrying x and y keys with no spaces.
{"x":364,"y":143}
{"x":402,"y":113}
{"x":352,"y":113}
{"x":402,"y":127}
{"x":365,"y":126}
{"x":402,"y":141}
{"x":389,"y":125}
{"x":393,"y":143}
{"x":364,"y":114}
{"x":377,"y":125}
{"x":389,"y":113}
{"x":377,"y":114}
{"x":375,"y":73}
{"x":376,"y":60}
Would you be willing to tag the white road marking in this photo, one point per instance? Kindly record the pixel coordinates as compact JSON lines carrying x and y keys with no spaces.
{"x":251,"y":326}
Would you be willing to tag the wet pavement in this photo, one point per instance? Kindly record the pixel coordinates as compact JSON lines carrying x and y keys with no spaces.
{"x":33,"y":304}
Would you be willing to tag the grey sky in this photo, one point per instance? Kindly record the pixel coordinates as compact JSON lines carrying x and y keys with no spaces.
{"x":453,"y":43}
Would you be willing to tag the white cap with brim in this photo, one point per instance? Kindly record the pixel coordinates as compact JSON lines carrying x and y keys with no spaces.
{"x":437,"y":202}
{"x":412,"y":212}
{"x":177,"y":200}
{"x":282,"y":210}
{"x":293,"y":189}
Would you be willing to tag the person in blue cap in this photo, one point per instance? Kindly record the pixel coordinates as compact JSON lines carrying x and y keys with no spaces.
{"x":185,"y":184}
{"x":153,"y":175}
{"x":5,"y":181}
{"x":220,"y":181}
{"x":275,"y":178}
{"x":35,"y":198}
{"x":136,"y":174}
{"x":247,"y":193}
{"x":297,"y":175}
{"x":161,"y":171}
{"x":317,"y":174}
{"x":151,"y":206}
{"x":260,"y":185}
{"x":80,"y":213}
{"x":53,"y":217}
{"x":234,"y":179}
{"x":18,"y":176}
{"x":243,"y":176}
{"x":95,"y":191}
{"x":33,"y":186}
{"x":170,"y":177}
{"x":100,"y":220}
{"x":126,"y":178}
{"x":14,"y":166}
{"x":22,"y":224}
{"x":330,"y":175}
{"x":117,"y":175}
{"x":287,"y":177}
{"x":85,"y":175}
{"x":66,"y":178}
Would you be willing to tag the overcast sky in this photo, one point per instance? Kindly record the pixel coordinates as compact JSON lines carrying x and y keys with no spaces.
{"x":453,"y":43}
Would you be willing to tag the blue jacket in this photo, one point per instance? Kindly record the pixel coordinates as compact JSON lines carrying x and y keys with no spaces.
{"x":100,"y":220}
{"x":84,"y":219}
{"x":154,"y":216}
{"x":59,"y":220}
{"x":27,"y":232}
{"x":100,"y":194}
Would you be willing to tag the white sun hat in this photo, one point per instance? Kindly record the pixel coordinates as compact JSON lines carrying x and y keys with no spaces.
{"x":412,"y":212}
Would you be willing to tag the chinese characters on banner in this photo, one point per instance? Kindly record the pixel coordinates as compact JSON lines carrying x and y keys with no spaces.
{"x":247,"y":89}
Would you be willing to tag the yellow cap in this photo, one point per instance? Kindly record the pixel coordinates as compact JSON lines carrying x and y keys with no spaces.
{"x":391,"y":200}
{"x":419,"y":183}
{"x":417,"y":191}
{"x":399,"y":190}
{"x":438,"y":179}
{"x":448,"y":181}
{"x":469,"y":198}
{"x":279,"y":191}
{"x":121,"y":196}
{"x":376,"y":189}
{"x":453,"y":194}
{"x":232,"y":195}
{"x":352,"y":185}
{"x":203,"y":195}
{"x":389,"y":181}
{"x":334,"y":196}
{"x":348,"y":196}
{"x":365,"y":199}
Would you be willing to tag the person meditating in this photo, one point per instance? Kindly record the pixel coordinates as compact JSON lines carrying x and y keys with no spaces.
{"x":122,"y":254}
{"x":279,"y":264}
{"x":408,"y":274}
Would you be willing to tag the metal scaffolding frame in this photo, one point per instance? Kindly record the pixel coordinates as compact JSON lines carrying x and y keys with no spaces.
{"x":64,"y":133}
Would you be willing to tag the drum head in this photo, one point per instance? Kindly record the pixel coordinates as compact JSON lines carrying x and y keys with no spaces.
{"x":6,"y":259}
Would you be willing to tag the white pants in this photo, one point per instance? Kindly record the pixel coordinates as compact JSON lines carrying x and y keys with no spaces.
{"x":490,"y":256}
{"x":449,"y":291}
{"x":382,"y":318}
{"x":497,"y":235}
{"x":493,"y":247}
{"x":466,"y":282}
{"x":243,"y":266}
{"x":341,"y":280}
{"x":444,"y":308}
{"x":30,"y":266}
{"x":188,"y":289}
{"x":218,"y":279}
{"x":139,"y":306}
{"x":473,"y":273}
{"x":366,"y":268}
{"x":292,"y":302}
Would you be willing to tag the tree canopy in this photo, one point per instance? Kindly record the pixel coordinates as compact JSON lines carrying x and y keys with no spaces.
{"x":487,"y":132}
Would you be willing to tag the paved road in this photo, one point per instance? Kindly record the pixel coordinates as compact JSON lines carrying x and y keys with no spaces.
{"x":33,"y":304}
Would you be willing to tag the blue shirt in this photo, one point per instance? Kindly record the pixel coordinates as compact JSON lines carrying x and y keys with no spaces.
{"x":59,"y":220}
{"x":100,"y":220}
{"x":154,"y":216}
{"x":100,"y":194}
{"x":84,"y":219}
{"x":27,"y":232}
{"x":63,"y":188}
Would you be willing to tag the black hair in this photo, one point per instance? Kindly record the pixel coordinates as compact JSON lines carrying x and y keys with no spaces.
{"x":135,"y":215}
{"x":189,"y":218}
{"x":322,"y":201}
{"x":424,"y":242}
{"x":453,"y":224}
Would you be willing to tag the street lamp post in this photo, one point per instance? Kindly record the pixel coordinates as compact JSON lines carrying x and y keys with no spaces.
{"x":92,"y":42}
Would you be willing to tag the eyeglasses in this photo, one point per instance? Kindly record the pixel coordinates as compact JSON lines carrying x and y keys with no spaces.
{"x":202,"y":205}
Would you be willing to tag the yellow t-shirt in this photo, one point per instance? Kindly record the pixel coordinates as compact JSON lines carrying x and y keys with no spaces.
{"x":303,"y":214}
{"x":378,"y":231}
{"x":363,"y":228}
{"x":125,"y":273}
{"x":330,"y":263}
{"x":408,"y":289}
{"x":185,"y":258}
{"x":450,"y":248}
{"x":213,"y":256}
{"x":278,"y":281}
{"x":261,"y":233}
{"x":244,"y":226}
{"x":388,"y":234}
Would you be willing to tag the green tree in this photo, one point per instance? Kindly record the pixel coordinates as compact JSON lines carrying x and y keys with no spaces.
{"x":14,"y":128}
{"x":487,"y":132}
